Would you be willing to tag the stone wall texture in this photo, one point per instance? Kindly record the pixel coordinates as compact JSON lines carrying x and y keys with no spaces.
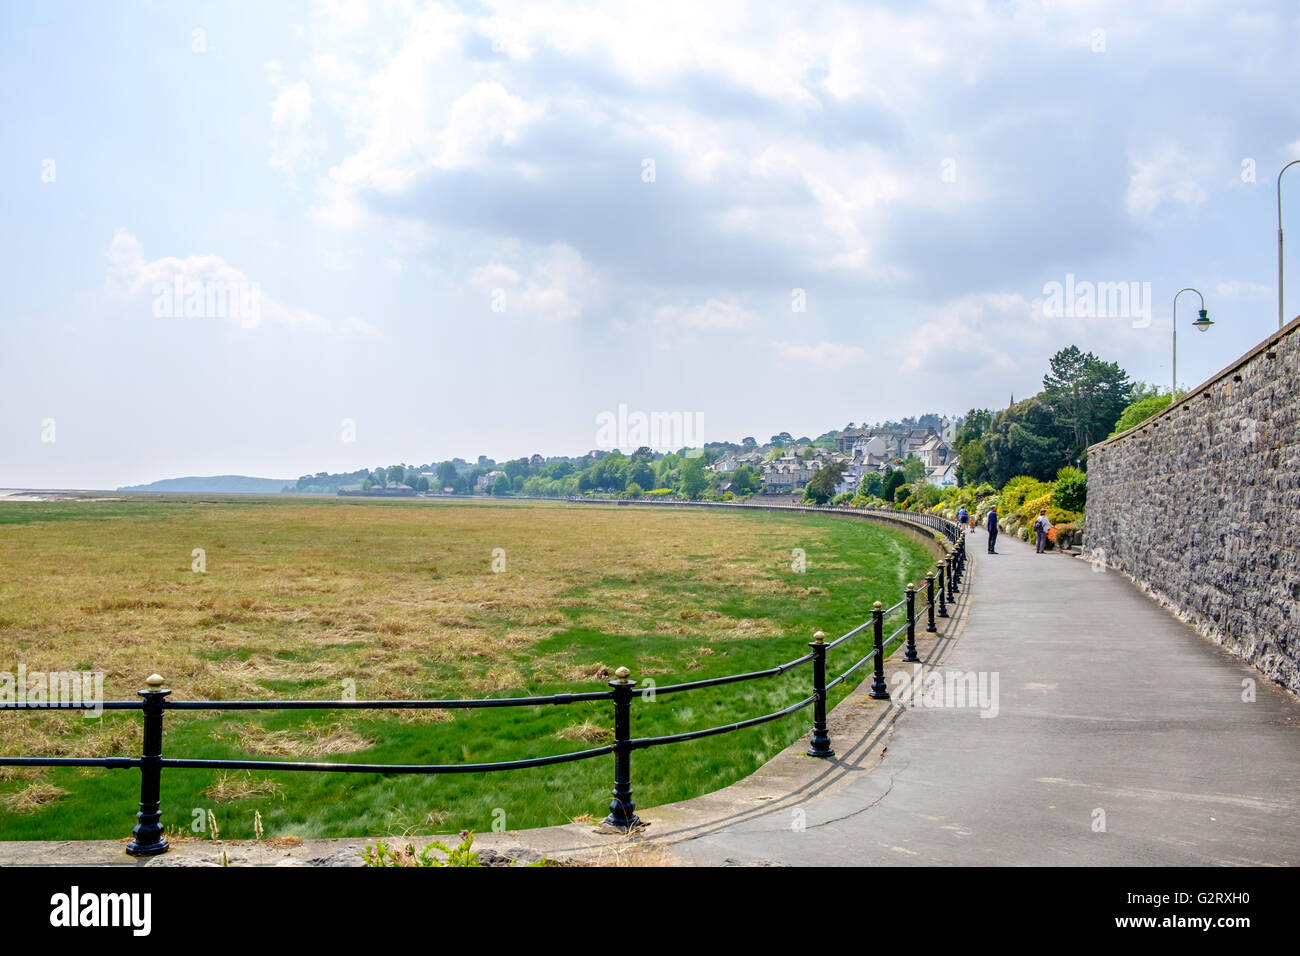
{"x":1200,"y":506}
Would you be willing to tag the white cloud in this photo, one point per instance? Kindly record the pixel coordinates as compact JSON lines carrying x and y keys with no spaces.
{"x":210,"y":286}
{"x":1166,"y":176}
{"x":1235,"y":288}
{"x":713,"y":314}
{"x":292,"y":145}
{"x":824,"y":354}
{"x":558,"y":284}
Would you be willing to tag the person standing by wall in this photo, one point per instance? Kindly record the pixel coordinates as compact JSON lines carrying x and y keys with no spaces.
{"x":993,"y":529}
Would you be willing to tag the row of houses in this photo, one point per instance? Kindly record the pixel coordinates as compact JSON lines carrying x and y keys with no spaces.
{"x":863,"y":451}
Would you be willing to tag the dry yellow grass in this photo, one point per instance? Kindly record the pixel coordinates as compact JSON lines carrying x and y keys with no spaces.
{"x":33,"y":797}
{"x":308,"y":741}
{"x":587,"y":732}
{"x":241,"y":786}
{"x":302,"y":598}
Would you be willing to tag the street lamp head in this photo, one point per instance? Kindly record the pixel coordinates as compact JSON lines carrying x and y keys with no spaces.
{"x":1204,"y":322}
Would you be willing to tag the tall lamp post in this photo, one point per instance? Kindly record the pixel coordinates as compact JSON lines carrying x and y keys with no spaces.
{"x":1202,"y":322}
{"x":1279,"y":239}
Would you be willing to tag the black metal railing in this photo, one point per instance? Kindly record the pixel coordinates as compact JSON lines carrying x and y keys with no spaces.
{"x":147,"y":836}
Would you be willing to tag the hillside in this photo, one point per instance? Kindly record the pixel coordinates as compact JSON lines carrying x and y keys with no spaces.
{"x":217,"y":484}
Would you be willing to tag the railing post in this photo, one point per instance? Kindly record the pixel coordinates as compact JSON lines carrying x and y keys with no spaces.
{"x":878,"y":689}
{"x":952,"y":589}
{"x":821,"y":738}
{"x":943,"y":606}
{"x":952,"y":575}
{"x":910,"y":654}
{"x":622,"y":811}
{"x":929,"y":597}
{"x":147,"y":835}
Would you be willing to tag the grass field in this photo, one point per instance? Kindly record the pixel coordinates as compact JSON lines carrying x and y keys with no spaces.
{"x":300,"y":596}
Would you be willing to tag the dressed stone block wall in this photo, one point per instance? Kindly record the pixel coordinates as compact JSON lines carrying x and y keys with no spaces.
{"x":1200,"y":506}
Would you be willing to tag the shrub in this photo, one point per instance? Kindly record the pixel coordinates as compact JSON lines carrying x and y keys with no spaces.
{"x":1020,"y":489}
{"x":1028,"y":511}
{"x":633,"y":490}
{"x":1071,"y":489}
{"x":1140,"y":411}
{"x":1062,"y":516}
{"x":1064,"y":535}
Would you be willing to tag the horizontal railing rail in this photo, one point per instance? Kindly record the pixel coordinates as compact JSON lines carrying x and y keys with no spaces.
{"x":148,"y":838}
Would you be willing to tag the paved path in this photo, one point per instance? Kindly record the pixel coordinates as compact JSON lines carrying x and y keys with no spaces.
{"x":1107,"y":704}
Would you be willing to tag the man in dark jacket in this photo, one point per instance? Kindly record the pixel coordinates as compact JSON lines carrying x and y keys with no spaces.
{"x":993,"y":529}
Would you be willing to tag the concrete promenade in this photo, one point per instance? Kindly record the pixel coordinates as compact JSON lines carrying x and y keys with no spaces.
{"x":1111,"y":713}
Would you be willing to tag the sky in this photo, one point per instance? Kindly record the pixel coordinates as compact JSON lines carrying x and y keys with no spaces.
{"x":276,"y":239}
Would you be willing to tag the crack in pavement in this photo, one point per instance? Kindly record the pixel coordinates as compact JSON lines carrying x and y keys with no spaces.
{"x":848,"y":816}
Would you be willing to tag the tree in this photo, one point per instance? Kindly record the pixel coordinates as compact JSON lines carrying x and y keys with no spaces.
{"x":1136,"y":412}
{"x":1085,"y":395}
{"x":972,"y":428}
{"x":873,"y":485}
{"x":641,"y":472}
{"x":693,"y":479}
{"x":422,"y":484}
{"x":821,"y":488}
{"x":745,"y":481}
{"x":913,"y":468}
{"x":893,"y":481}
{"x":446,"y":474}
{"x":396,"y":474}
{"x":971,"y":463}
{"x":1026,"y":439}
{"x":501,"y":486}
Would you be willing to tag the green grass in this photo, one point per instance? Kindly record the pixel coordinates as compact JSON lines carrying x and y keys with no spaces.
{"x":397,"y":597}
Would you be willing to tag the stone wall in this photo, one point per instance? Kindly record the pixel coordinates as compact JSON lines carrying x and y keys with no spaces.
{"x":1200,"y":506}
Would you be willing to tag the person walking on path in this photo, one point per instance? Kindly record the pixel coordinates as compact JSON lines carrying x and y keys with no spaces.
{"x":962,"y":515}
{"x":1041,"y":527}
{"x":993,"y":529}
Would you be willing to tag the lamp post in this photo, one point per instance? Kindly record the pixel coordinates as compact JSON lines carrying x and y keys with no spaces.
{"x":1202,"y":322}
{"x":1279,"y":239}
